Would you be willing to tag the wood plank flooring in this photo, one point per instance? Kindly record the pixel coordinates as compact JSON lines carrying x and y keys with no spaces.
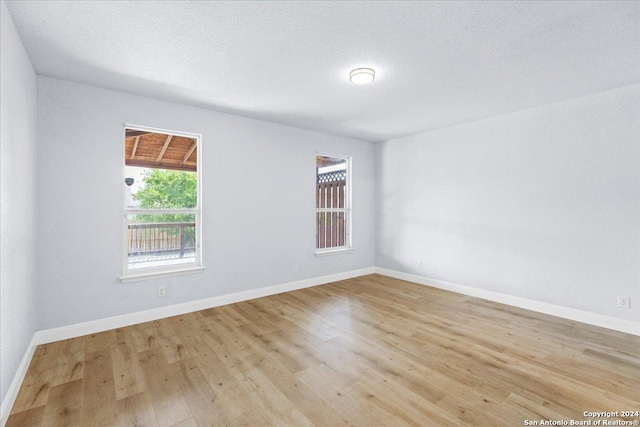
{"x":370,"y":351}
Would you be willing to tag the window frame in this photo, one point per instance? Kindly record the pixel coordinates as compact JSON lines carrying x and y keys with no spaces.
{"x":347,"y":209}
{"x":129,"y":275}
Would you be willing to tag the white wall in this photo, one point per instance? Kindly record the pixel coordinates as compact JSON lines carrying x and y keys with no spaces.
{"x":17,"y":201}
{"x":541,"y":204}
{"x":258,"y":203}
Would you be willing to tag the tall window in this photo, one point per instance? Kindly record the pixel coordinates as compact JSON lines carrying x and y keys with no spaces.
{"x":333,"y":203}
{"x":162,"y":202}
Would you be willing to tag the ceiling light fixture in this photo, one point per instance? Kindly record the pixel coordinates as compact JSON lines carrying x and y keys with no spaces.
{"x":361,"y":76}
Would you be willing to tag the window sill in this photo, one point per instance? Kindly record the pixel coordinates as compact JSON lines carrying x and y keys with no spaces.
{"x":334,"y":251}
{"x":158,"y":274}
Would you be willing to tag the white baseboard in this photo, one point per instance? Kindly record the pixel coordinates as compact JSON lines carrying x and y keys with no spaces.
{"x":14,"y":387}
{"x":596,"y":319}
{"x":94,"y":326}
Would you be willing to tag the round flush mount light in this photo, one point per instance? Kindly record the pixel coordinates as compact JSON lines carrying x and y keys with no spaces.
{"x":361,"y":76}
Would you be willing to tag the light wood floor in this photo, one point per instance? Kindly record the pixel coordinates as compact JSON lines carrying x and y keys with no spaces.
{"x":368,"y":351}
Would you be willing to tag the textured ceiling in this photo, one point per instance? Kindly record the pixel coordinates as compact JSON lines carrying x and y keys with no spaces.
{"x":437,"y":63}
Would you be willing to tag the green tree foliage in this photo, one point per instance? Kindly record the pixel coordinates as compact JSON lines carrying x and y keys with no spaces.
{"x":168,"y":189}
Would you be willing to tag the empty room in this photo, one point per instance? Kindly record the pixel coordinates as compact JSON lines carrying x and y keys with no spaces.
{"x":319,"y":213}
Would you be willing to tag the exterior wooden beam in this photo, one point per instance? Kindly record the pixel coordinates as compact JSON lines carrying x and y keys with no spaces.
{"x":189,"y":151}
{"x":164,"y":148}
{"x":135,"y":147}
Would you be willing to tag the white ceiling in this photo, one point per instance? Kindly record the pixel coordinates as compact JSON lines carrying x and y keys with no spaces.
{"x":437,"y":63}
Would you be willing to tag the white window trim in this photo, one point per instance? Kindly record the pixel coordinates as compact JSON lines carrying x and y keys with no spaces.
{"x":334,"y":251}
{"x":348,"y":210}
{"x":173,"y":270}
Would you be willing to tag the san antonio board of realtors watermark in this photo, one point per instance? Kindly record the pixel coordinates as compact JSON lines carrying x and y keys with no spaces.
{"x":593,"y":418}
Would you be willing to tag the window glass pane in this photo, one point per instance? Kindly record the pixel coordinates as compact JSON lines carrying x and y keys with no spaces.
{"x":160,"y":150}
{"x":331,"y":229}
{"x":332,"y":202}
{"x":160,"y":240}
{"x":331,"y":182}
{"x":151,"y":188}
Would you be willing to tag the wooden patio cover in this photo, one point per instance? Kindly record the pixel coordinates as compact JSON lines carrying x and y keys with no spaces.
{"x":160,"y":150}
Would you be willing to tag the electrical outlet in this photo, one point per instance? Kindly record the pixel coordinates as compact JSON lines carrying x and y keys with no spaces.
{"x":623,"y":302}
{"x":160,"y":291}
{"x":296,"y":269}
{"x":420,"y":266}
{"x":336,"y":264}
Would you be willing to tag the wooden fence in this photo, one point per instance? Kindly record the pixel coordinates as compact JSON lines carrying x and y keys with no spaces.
{"x":331,"y":225}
